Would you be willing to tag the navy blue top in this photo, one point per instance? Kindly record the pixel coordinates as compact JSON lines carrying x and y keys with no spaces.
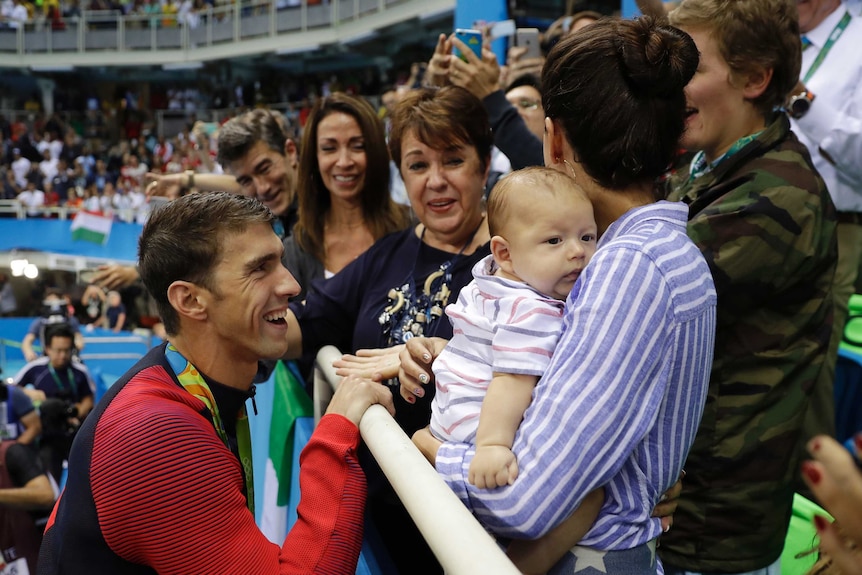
{"x":343,"y":311}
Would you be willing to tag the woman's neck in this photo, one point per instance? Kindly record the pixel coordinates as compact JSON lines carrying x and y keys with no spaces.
{"x":342,"y":215}
{"x":610,"y":205}
{"x":464,"y":240}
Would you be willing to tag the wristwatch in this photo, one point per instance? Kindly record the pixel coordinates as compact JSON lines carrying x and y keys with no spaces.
{"x":800,"y":104}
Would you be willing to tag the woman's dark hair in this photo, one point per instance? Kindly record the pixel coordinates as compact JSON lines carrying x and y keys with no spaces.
{"x":616,"y":90}
{"x":382,"y":215}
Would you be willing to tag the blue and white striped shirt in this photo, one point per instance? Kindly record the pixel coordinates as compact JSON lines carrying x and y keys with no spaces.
{"x":623,"y":396}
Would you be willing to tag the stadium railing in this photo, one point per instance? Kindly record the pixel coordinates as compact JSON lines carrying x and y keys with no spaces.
{"x":460,"y":543}
{"x":110,"y":34}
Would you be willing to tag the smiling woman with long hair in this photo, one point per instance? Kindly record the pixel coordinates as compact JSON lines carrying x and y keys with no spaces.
{"x":343,"y":187}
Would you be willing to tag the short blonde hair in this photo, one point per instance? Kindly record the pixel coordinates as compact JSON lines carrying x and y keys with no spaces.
{"x":750,"y":35}
{"x":521,"y":185}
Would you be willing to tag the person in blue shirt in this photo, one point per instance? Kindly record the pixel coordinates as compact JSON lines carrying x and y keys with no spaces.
{"x":63,"y":389}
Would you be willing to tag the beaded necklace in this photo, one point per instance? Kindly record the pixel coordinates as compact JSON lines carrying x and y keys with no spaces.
{"x":412,"y":313}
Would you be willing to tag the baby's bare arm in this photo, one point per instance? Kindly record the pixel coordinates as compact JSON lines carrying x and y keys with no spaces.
{"x":506,"y":400}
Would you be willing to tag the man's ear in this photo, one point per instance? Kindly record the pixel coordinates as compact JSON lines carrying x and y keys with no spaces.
{"x":756,"y":83}
{"x":188,"y":299}
{"x":502,"y":255}
{"x":290,"y":151}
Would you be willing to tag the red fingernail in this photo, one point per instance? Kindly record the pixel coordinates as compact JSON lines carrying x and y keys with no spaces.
{"x":820,"y":523}
{"x":815,"y":445}
{"x":858,"y":441}
{"x":811,"y":472}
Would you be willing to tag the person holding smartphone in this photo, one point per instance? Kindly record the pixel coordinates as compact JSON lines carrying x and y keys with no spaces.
{"x":480,"y":75}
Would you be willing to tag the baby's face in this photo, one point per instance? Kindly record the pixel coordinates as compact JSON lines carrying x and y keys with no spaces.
{"x":114,"y":299}
{"x":551,"y":242}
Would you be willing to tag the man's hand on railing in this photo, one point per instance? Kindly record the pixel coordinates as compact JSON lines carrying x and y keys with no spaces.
{"x":376,"y":364}
{"x":356,"y":394}
{"x":416,"y":359}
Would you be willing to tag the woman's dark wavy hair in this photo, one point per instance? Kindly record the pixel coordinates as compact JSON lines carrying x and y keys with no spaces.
{"x":616,"y":89}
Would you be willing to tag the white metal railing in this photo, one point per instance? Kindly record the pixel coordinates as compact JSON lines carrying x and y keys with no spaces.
{"x":138,"y":38}
{"x":460,"y":543}
{"x":16,"y":208}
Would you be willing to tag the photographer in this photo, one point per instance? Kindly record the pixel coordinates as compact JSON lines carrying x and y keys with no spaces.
{"x":62,"y":389}
{"x":54,"y":311}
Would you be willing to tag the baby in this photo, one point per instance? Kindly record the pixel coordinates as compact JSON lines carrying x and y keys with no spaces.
{"x":507,"y":321}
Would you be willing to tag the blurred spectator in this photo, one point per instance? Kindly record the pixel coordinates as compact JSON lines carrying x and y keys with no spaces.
{"x":10,"y":188}
{"x":73,"y":200}
{"x":26,"y":495}
{"x":63,"y":388}
{"x":8,"y":302}
{"x":20,"y":167}
{"x":115,"y":314}
{"x":93,"y":302}
{"x":524,"y":95}
{"x":92,"y":200}
{"x":54,"y":310}
{"x":18,"y":15}
{"x":106,"y":201}
{"x":48,"y":166}
{"x":21,"y":420}
{"x":101,"y":176}
{"x":134,"y":169}
{"x":52,"y":198}
{"x":32,"y":199}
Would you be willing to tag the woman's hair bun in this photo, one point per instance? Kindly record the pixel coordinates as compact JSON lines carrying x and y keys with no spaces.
{"x":657,"y":60}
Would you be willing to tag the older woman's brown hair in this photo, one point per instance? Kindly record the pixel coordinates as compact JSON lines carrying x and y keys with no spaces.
{"x":381,"y":214}
{"x":441,"y":118}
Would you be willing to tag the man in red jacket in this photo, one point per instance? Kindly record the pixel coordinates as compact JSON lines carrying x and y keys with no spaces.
{"x":160,"y":473}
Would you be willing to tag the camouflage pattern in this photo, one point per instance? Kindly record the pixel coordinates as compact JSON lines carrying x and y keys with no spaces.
{"x":766,"y":225}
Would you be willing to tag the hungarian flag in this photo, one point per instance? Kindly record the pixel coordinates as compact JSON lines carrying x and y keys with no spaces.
{"x":92,"y":227}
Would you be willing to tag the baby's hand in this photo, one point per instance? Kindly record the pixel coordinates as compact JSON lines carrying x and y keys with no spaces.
{"x":493,"y":466}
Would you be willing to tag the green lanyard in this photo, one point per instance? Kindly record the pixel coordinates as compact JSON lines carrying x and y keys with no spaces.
{"x":193,"y":382}
{"x":699,"y":165}
{"x":833,"y":37}
{"x":60,"y":387}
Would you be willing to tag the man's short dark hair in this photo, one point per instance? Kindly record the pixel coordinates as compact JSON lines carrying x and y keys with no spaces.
{"x":528,"y":79}
{"x":241,"y":134}
{"x":57,"y":330}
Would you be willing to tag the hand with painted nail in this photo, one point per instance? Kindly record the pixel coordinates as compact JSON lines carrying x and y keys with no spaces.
{"x":668,"y":503}
{"x":415,"y":365}
{"x":493,"y":466}
{"x":377,"y":364}
{"x":835,"y":479}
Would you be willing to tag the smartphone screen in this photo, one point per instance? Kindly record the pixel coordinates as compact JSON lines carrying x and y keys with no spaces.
{"x":529,"y":38}
{"x":473,"y":40}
